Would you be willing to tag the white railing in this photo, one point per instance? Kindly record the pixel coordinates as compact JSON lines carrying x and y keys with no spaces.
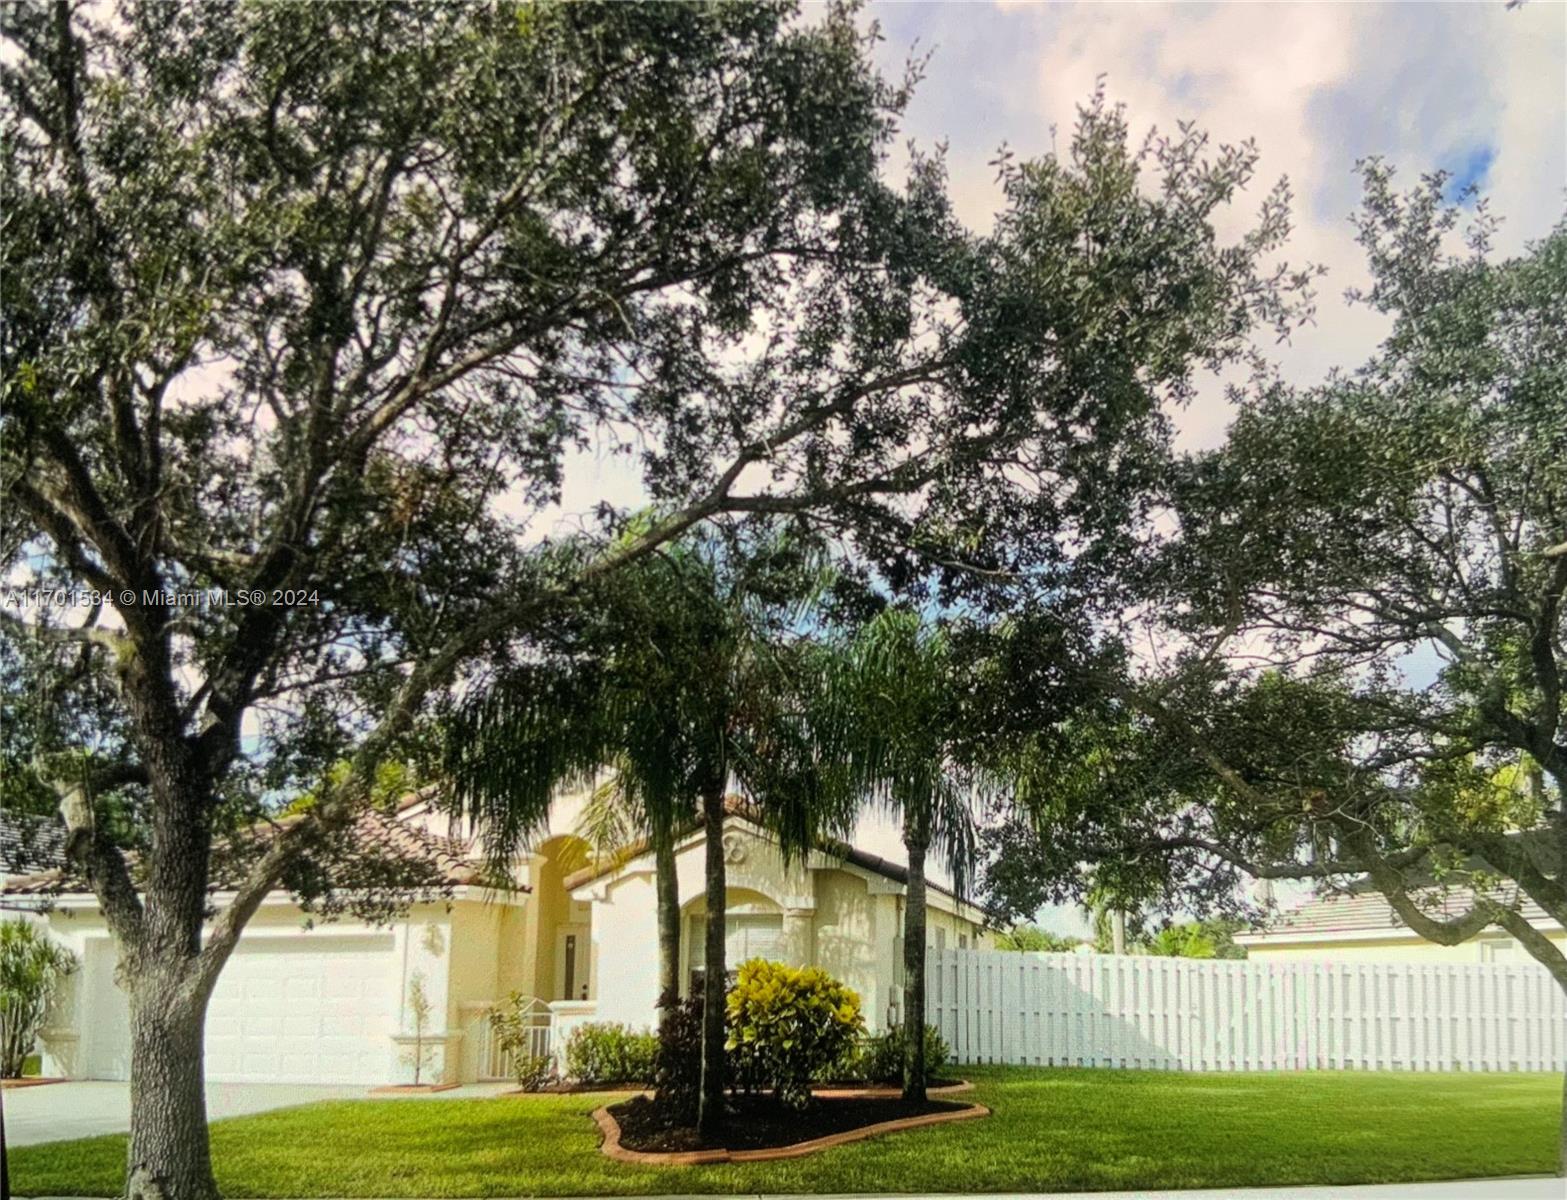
{"x":1205,"y":1015}
{"x":492,"y":1061}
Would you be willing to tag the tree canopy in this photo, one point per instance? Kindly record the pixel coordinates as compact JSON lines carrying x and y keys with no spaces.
{"x":305,"y":304}
{"x":1361,"y":608}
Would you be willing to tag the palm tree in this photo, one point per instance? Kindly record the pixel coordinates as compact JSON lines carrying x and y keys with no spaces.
{"x":748,"y":706}
{"x":561,"y":722}
{"x":692,"y":680}
{"x":898,"y":695}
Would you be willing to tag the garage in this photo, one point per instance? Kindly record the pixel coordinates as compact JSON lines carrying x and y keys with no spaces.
{"x":306,"y":1008}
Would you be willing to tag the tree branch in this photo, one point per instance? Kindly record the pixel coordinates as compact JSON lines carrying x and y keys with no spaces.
{"x":105,"y":866}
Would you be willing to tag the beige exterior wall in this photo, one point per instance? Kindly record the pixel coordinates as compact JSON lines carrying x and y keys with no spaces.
{"x":625,"y":950}
{"x":447,"y":947}
{"x":840,"y":917}
{"x":849,"y":938}
{"x":1397,"y":950}
{"x":484,"y":946}
{"x":957,"y":932}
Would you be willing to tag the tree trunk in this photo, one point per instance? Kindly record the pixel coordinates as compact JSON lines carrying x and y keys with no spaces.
{"x":168,"y":1158}
{"x":667,"y":887}
{"x":914,"y":969}
{"x":162,"y":973}
{"x":710,"y":1104}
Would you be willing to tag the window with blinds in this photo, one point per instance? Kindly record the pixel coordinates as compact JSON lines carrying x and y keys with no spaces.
{"x":746,"y":935}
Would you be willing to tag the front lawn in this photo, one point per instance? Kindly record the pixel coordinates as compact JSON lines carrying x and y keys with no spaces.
{"x":1052,"y":1130}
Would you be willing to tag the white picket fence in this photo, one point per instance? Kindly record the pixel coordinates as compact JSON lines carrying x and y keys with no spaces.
{"x":1205,"y":1015}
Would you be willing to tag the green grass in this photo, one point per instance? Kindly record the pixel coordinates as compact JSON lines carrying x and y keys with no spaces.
{"x":1052,"y":1130}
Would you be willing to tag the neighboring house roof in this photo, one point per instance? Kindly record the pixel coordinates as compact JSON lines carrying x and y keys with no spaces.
{"x":736,"y":806}
{"x":1363,"y":913}
{"x":31,"y":843}
{"x":376,"y":832}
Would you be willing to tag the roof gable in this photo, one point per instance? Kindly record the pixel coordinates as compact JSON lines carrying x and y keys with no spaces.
{"x":737,"y":810}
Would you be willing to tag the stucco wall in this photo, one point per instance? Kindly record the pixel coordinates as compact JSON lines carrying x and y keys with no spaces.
{"x":847,"y":937}
{"x":421,"y":942}
{"x":840,"y":918}
{"x":625,"y":951}
{"x":552,"y":903}
{"x":474,"y":950}
{"x":1399,"y":950}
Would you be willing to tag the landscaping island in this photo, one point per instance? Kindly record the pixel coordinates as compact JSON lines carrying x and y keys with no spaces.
{"x":639,"y":1130}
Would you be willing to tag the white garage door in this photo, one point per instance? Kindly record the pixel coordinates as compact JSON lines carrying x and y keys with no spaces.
{"x":312,"y":1009}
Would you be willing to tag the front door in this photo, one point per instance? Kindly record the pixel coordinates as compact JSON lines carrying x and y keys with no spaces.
{"x":571,"y":963}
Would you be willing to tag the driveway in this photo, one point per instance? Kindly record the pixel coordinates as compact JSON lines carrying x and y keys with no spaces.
{"x":59,"y":1112}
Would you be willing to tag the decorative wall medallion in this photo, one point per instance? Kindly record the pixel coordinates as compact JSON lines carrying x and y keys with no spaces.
{"x":734,"y":848}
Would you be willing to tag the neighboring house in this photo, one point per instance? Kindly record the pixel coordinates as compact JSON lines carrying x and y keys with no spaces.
{"x":1361,"y":926}
{"x":329,"y":1004}
{"x":28,"y":845}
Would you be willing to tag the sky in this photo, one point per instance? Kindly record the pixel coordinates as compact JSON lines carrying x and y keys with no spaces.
{"x":1474,"y":89}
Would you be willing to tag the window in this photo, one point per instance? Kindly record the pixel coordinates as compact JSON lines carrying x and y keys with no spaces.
{"x":746,"y":936}
{"x":962,"y":941}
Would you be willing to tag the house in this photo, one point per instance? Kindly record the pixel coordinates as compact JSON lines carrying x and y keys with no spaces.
{"x":1361,"y":926}
{"x":28,"y":844}
{"x":329,"y":1004}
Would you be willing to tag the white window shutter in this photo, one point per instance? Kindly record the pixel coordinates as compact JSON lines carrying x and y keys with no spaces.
{"x":746,"y":936}
{"x":763,"y":937}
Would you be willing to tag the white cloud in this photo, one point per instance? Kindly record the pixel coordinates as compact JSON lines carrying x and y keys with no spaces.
{"x":1318,"y":86}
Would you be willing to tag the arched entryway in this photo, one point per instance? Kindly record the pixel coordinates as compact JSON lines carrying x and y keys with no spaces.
{"x":563,"y":961}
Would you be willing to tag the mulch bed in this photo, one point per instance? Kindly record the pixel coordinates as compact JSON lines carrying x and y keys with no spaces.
{"x":760,"y":1123}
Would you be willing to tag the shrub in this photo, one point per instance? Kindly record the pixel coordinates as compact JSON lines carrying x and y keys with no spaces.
{"x":880,"y":1058}
{"x":516,"y":1028}
{"x":532,"y":1071}
{"x":787,"y":1025}
{"x":32,"y":967}
{"x":677,"y":1064}
{"x":607,"y":1052}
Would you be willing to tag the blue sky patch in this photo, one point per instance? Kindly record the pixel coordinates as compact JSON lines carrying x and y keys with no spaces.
{"x":1470,"y":169}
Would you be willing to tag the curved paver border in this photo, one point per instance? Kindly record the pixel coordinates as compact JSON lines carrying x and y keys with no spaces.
{"x":612,"y":1148}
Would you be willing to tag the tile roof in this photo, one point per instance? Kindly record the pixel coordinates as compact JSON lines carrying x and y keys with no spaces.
{"x":1369,"y":912}
{"x":30,"y":843}
{"x":386,"y":833}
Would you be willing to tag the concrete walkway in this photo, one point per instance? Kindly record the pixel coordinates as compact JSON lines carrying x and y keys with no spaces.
{"x":1538,"y":1188}
{"x":1541,"y":1188}
{"x":58,"y":1112}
